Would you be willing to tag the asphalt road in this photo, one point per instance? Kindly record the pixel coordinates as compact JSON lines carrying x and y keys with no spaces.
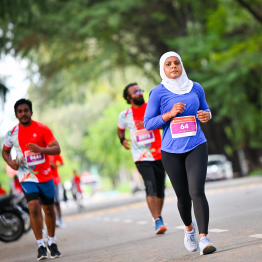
{"x":121,"y":228}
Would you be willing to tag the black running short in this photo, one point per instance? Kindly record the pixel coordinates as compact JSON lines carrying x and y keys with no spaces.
{"x":153,"y":174}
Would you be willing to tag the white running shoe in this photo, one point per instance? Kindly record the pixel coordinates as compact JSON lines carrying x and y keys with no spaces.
{"x":57,"y":223}
{"x":62,"y":223}
{"x":206,"y":247}
{"x":190,"y":240}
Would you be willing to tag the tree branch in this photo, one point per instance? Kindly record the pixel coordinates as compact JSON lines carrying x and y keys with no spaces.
{"x":251,"y":10}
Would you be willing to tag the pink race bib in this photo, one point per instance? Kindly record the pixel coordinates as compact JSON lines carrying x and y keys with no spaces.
{"x":34,"y":158}
{"x":144,"y":137}
{"x":183,"y":126}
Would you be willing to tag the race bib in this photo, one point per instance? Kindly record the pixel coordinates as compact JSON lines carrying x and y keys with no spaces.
{"x":183,"y":126}
{"x":144,"y":137}
{"x":33,"y":159}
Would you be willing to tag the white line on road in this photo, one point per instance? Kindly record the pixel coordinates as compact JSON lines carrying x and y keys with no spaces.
{"x":116,"y":220}
{"x":256,"y":236}
{"x":142,"y":222}
{"x":128,"y":221}
{"x":216,"y":230}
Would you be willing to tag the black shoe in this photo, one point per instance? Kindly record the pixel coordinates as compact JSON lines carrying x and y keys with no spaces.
{"x":54,"y":253}
{"x":42,"y":253}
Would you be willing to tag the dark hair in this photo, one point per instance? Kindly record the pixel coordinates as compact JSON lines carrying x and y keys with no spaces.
{"x":125,"y":92}
{"x":23,"y":101}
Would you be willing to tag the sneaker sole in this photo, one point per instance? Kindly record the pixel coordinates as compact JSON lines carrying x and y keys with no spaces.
{"x":57,"y":256}
{"x":161,"y":230}
{"x":52,"y":257}
{"x":208,"y":250}
{"x":42,"y":257}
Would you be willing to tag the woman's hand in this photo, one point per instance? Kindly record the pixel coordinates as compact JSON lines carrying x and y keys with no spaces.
{"x":177,"y":108}
{"x":203,"y":116}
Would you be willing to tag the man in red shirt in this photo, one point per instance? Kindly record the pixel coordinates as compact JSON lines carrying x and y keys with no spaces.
{"x":2,"y":191}
{"x":56,"y":161}
{"x":33,"y":141}
{"x":16,"y":187}
{"x":146,"y":151}
{"x":76,"y":190}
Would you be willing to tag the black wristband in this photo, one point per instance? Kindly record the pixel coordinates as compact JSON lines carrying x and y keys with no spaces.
{"x":122,"y":140}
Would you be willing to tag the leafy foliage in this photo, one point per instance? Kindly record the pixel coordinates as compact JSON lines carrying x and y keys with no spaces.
{"x":86,"y":51}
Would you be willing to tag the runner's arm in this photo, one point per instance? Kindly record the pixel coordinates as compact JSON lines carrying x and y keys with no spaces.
{"x":125,"y":142}
{"x":153,"y":118}
{"x":60,"y":161}
{"x":7,"y":157}
{"x":59,"y":164}
{"x":52,"y":149}
{"x":203,"y":113}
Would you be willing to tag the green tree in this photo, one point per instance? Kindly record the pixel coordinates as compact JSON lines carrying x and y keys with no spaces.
{"x":103,"y":147}
{"x":77,"y":44}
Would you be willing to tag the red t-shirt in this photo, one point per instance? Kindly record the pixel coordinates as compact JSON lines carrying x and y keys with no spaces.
{"x":2,"y":192}
{"x":56,"y":159}
{"x":33,"y":167}
{"x":17,"y":187}
{"x":138,"y":116}
{"x":77,"y":181}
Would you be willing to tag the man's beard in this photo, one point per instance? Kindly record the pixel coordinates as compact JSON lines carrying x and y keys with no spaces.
{"x":25,"y":120}
{"x":139,"y":101}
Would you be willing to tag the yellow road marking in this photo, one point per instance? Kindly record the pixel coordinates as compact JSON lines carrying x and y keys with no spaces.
{"x":144,"y":204}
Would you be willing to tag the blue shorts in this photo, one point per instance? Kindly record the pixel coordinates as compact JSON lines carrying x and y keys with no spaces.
{"x":44,"y":191}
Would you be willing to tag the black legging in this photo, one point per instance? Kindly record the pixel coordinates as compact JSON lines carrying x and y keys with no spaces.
{"x":187,"y":172}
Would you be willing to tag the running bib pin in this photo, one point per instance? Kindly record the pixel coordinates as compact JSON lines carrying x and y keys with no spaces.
{"x":183,"y":126}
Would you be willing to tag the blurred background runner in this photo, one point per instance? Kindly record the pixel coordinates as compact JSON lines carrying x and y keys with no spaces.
{"x":76,"y":190}
{"x":16,"y":187}
{"x":2,"y":191}
{"x":56,"y":161}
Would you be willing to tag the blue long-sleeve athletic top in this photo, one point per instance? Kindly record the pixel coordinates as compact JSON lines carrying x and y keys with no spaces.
{"x":161,"y":101}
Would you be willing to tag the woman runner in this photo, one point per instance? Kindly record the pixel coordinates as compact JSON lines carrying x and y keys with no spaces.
{"x":179,"y":105}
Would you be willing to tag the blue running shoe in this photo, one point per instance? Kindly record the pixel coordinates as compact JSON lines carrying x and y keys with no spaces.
{"x":160,"y":228}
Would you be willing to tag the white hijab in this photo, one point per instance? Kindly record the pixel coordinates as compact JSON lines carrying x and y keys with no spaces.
{"x":179,"y":86}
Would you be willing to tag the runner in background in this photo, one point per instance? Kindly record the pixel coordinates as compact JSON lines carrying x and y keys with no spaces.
{"x":33,"y":141}
{"x":16,"y":187}
{"x":2,"y":191}
{"x":76,"y":190}
{"x":145,"y":147}
{"x":55,"y":162}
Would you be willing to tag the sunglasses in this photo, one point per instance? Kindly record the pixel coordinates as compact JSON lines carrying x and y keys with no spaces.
{"x":138,"y":92}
